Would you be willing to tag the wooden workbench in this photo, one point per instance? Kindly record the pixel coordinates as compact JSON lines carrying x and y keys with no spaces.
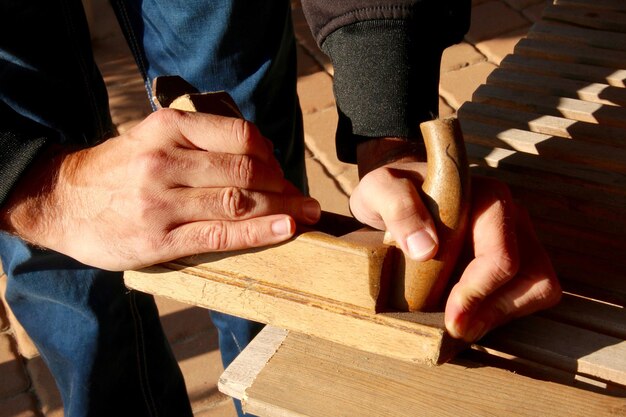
{"x":551,"y":123}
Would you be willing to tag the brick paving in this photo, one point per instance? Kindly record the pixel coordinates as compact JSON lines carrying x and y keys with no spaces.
{"x":26,"y":386}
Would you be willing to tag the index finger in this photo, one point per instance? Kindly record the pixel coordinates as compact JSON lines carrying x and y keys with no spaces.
{"x":221,"y":134}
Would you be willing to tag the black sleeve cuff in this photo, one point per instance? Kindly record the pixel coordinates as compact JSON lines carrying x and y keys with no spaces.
{"x":17,"y":151}
{"x":381,"y":86}
{"x":386,"y":63}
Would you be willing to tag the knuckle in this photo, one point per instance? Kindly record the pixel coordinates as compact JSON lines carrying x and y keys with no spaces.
{"x":215,"y":236}
{"x":243,"y":132}
{"x":505,"y":267}
{"x":150,"y":164}
{"x":251,"y":236}
{"x":234,"y":203}
{"x":243,"y":169}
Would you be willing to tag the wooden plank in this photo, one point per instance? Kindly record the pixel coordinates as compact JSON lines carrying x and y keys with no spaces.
{"x":348,"y":269}
{"x":557,"y":86}
{"x":617,"y":5}
{"x":563,"y":346}
{"x":555,"y":106}
{"x":312,"y":377}
{"x":549,"y":147}
{"x":564,"y":69}
{"x":545,"y":124}
{"x":412,"y":337}
{"x":240,"y":374}
{"x":573,"y":35}
{"x":587,"y":16}
{"x":590,"y":314}
{"x":522,"y":164}
{"x":555,"y":51}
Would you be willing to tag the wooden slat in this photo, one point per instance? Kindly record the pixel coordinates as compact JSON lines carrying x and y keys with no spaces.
{"x":555,"y":51}
{"x":523,"y":165}
{"x":563,"y":346}
{"x":571,"y":70}
{"x":587,"y":16}
{"x":577,"y":36}
{"x":555,"y":106}
{"x":590,"y":314}
{"x":412,"y":337}
{"x":560,"y":87}
{"x":545,"y":124}
{"x":549,"y":147}
{"x":311,"y":377}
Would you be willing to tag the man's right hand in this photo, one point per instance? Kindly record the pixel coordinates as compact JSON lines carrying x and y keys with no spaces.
{"x":175,"y":185}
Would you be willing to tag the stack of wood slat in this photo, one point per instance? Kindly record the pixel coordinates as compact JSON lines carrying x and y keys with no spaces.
{"x":551,"y":121}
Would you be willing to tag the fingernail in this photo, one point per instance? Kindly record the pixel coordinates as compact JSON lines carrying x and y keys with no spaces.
{"x":421,"y":245}
{"x":477,"y":331}
{"x":311,"y":210}
{"x":282,"y":227}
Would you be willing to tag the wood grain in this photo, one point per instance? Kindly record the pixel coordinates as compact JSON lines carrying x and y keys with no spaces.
{"x":312,"y":377}
{"x":414,"y":337}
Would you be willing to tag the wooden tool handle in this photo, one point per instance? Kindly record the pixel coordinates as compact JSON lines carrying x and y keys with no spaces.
{"x":419,"y":285}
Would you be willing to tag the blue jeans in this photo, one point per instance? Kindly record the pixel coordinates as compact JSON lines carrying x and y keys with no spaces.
{"x":104,"y":343}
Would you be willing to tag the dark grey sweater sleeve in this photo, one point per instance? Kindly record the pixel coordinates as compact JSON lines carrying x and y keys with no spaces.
{"x":386,"y":57}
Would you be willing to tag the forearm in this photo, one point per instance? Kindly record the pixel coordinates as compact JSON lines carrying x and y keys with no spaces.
{"x":386,"y":58}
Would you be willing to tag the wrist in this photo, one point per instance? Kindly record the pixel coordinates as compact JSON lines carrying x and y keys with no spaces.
{"x":33,"y":207}
{"x":378,"y":152}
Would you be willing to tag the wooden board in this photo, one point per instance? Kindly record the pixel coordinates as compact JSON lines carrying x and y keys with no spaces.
{"x":305,"y":376}
{"x":413,"y":337}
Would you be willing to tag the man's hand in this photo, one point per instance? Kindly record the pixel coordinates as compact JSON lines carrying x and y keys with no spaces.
{"x":509,"y":275}
{"x":177,"y":184}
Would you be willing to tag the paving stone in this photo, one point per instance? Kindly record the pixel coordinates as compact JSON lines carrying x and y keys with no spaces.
{"x":23,"y":405}
{"x":319,"y":135}
{"x":14,"y":378}
{"x":182,"y":321}
{"x":492,"y":19}
{"x":25,"y":345}
{"x":315,"y":91}
{"x":534,"y":12}
{"x":457,"y":87}
{"x":45,"y":388}
{"x":225,"y":408}
{"x":325,"y":189}
{"x":445,"y":110}
{"x":460,"y":56}
{"x":522,"y":4}
{"x":200,"y":362}
{"x":497,"y":48}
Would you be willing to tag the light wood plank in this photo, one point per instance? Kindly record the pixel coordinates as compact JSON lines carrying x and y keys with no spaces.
{"x":345,"y":269}
{"x":312,"y":377}
{"x":563,"y":346}
{"x":547,"y":146}
{"x":560,"y":87}
{"x":412,"y":337}
{"x":569,"y":108}
{"x":545,"y":124}
{"x":240,"y":374}
{"x":555,"y":51}
{"x":564,"y":69}
{"x":573,"y":35}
